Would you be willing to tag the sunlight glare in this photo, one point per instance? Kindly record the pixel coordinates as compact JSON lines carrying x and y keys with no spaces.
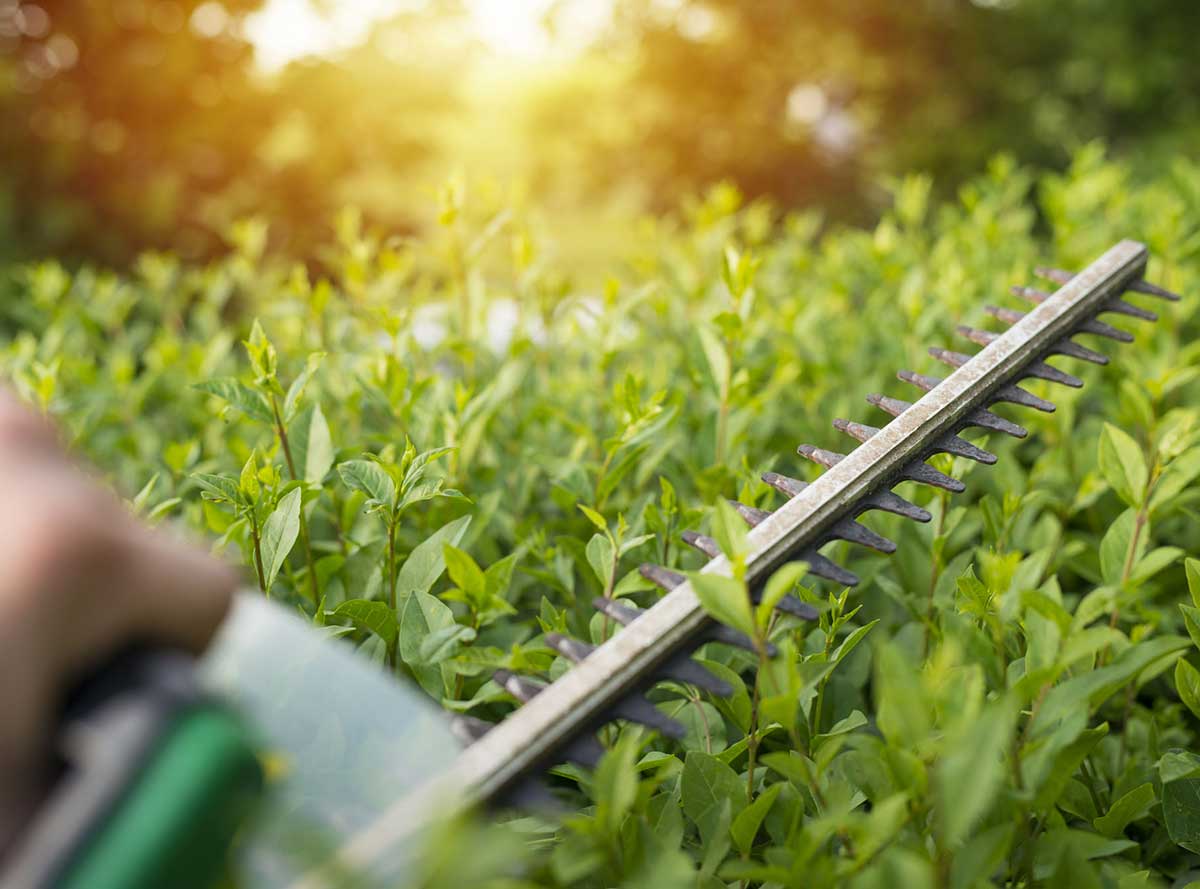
{"x":286,"y":30}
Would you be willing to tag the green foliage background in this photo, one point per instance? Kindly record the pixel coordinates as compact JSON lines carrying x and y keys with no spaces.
{"x":1009,"y":700}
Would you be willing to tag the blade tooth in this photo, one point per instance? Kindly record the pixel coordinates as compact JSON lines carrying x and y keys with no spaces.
{"x":684,"y":669}
{"x":753,"y":516}
{"x":1149,"y":289}
{"x":1030,"y":294}
{"x":729,"y":636}
{"x":985,"y":419}
{"x":1107,"y":330}
{"x":1017,"y":395}
{"x":960,"y":447}
{"x":1072,"y":349}
{"x":1042,"y":371}
{"x":783,"y":484}
{"x":919,"y":471}
{"x":1008,"y":316}
{"x":585,"y":751}
{"x":893,"y":406}
{"x":921,"y":381}
{"x":661,"y":577}
{"x":1058,"y":276}
{"x":856,"y":532}
{"x":797,"y":607}
{"x":1138,"y":286}
{"x":524,"y":690}
{"x":571,"y":649}
{"x":530,"y":795}
{"x":468,"y":729}
{"x":953,"y":359}
{"x":975,"y":335}
{"x":627,"y":614}
{"x":894,"y":503}
{"x":1120,"y":307}
{"x":637,"y":709}
{"x":859,"y":431}
{"x":702,"y":542}
{"x":1099,"y":328}
{"x":825,"y":458}
{"x":617,"y":610}
{"x":828,"y":569}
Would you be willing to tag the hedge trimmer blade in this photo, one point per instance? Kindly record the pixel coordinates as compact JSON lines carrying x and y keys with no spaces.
{"x":557,"y":722}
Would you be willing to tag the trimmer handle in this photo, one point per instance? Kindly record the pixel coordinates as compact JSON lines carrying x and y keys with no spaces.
{"x":149,"y":783}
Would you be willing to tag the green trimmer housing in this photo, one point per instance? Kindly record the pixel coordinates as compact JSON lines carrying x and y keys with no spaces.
{"x":162,"y":758}
{"x":153,"y":782}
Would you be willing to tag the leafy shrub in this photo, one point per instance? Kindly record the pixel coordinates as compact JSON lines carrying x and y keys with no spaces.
{"x":443,"y":450}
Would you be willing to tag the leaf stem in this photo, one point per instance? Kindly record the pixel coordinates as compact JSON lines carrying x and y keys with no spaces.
{"x":258,"y":564}
{"x":391,"y":584}
{"x":313,"y":592}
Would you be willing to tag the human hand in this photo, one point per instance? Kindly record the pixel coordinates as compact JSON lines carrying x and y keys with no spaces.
{"x":79,"y":579}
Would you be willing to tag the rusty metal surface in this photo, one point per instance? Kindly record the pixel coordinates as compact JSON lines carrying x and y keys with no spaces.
{"x":598,"y":684}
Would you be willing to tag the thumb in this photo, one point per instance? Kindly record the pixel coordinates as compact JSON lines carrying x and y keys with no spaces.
{"x":178,"y":593}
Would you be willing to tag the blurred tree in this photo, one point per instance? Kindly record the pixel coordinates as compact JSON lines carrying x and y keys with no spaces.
{"x":145,"y":123}
{"x":810,"y":101}
{"x":139,"y":124}
{"x":359,"y":128}
{"x":120,"y":121}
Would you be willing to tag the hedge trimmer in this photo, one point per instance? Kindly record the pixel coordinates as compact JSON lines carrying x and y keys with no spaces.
{"x":215,"y":764}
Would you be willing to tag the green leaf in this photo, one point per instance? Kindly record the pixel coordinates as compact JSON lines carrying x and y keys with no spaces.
{"x":779,"y":585}
{"x":600,"y":555}
{"x":1191,"y":620}
{"x":279,"y":534}
{"x":705,"y":785}
{"x":745,"y":826}
{"x":370,"y":478}
{"x":296,"y":391}
{"x":261,"y":353}
{"x":634,"y":542}
{"x":219,"y":488}
{"x":902,"y":708}
{"x":1092,"y":689}
{"x":370,"y":615}
{"x":248,"y":481}
{"x":1192,"y":569}
{"x":725,"y":599}
{"x":1062,"y":764}
{"x":615,"y":785}
{"x":791,"y":764}
{"x":463,"y":571}
{"x":1115,"y":546}
{"x":1187,"y":683}
{"x":971,"y":771}
{"x":851,"y":642}
{"x":1153,"y":562}
{"x":427,"y":561}
{"x":319,"y":455}
{"x":238,"y":395}
{"x":1178,"y":476}
{"x":1123,"y":465}
{"x":718,"y":360}
{"x":1180,"y":775}
{"x":594,"y":517}
{"x":442,"y":644}
{"x":499,"y":575}
{"x":729,"y":530}
{"x":1126,"y":810}
{"x":420,"y":616}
